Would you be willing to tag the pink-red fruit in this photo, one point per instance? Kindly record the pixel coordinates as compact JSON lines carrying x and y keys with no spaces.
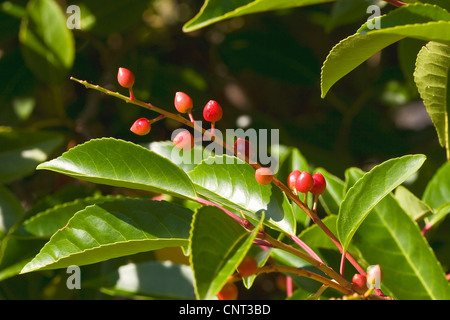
{"x":304,"y":182}
{"x":264,"y":176}
{"x":320,"y":184}
{"x":184,"y":140}
{"x":141,"y":127}
{"x":228,"y":292}
{"x":359,"y":283}
{"x":248,"y":266}
{"x":212,"y":111}
{"x":292,"y":179}
{"x":125,"y":78}
{"x":183,"y":103}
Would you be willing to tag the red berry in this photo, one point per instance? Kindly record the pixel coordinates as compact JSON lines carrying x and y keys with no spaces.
{"x":264,"y":176}
{"x":212,"y":111}
{"x":125,"y":78}
{"x":184,"y":140}
{"x":228,"y":292}
{"x":248,"y":266}
{"x":183,"y":103}
{"x":320,"y":184}
{"x":141,"y":127}
{"x":292,"y":179}
{"x":243,"y":148}
{"x":304,"y":182}
{"x":359,"y":283}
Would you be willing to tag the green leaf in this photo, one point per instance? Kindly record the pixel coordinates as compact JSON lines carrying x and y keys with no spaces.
{"x":122,"y":164}
{"x":47,"y":44}
{"x":217,"y":245}
{"x":412,"y":205}
{"x":390,"y":238}
{"x":186,"y":160}
{"x":216,"y":10}
{"x":22,"y":151}
{"x":231,"y":182}
{"x":11,"y":211}
{"x":153,"y":279}
{"x":113,"y":229}
{"x":431,"y":78}
{"x":370,"y":189}
{"x":437,"y":191}
{"x":420,"y":21}
{"x":46,"y":223}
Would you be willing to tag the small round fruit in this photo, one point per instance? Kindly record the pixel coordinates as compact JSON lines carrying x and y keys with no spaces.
{"x":212,"y":111}
{"x":125,"y":78}
{"x":228,"y":292}
{"x":359,"y":283}
{"x":141,"y":127}
{"x":292,"y":179}
{"x":320,"y":184}
{"x":183,"y":103}
{"x":264,"y":176}
{"x":243,"y":148}
{"x":247,"y":267}
{"x":184,"y":140}
{"x":304,"y":182}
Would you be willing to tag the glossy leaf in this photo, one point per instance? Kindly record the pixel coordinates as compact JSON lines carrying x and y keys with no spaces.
{"x":370,"y":189}
{"x":437,"y":191}
{"x":186,"y":160}
{"x":419,"y":21}
{"x":113,"y":229}
{"x":389,"y":237}
{"x":217,"y":246}
{"x":47,"y":44}
{"x":412,"y":205}
{"x":123,"y":164}
{"x":44,"y":224}
{"x":231,"y":182}
{"x":152,"y":279}
{"x":22,"y":151}
{"x":216,"y":10}
{"x":431,"y":78}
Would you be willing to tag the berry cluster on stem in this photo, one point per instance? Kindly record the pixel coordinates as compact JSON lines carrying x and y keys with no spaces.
{"x":302,"y":182}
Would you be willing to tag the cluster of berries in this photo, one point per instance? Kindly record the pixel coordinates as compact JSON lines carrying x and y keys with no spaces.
{"x":212,"y":112}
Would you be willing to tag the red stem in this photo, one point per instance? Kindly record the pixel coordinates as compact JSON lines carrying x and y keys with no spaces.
{"x":396,"y":3}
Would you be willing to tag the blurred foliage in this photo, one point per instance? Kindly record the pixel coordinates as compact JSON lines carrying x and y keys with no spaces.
{"x":265,"y":66}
